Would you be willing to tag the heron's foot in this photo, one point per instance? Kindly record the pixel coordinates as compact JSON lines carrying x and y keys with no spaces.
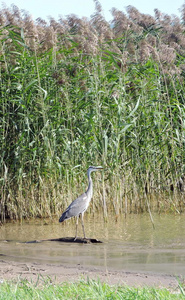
{"x":84,"y":238}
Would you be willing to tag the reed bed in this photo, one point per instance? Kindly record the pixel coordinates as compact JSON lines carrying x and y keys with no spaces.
{"x":78,"y":92}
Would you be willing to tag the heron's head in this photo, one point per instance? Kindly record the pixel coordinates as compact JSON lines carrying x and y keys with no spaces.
{"x":92,"y":168}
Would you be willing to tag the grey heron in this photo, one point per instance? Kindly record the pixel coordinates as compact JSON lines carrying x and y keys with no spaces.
{"x":80,"y":204}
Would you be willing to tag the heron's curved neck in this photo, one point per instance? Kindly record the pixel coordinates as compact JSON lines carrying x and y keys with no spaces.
{"x":90,"y":186}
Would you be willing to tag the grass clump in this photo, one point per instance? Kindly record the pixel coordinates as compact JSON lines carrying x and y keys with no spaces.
{"x":91,"y":289}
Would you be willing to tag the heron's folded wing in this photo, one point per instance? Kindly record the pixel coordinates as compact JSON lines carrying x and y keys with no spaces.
{"x":78,"y":206}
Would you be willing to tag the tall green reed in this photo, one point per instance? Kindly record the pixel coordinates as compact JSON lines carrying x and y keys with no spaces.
{"x":63,"y":109}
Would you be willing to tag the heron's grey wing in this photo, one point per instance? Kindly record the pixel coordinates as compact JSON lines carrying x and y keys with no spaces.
{"x":78,"y":206}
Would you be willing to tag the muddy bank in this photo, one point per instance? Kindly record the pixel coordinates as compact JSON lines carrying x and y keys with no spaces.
{"x":11,"y":270}
{"x":132,"y":252}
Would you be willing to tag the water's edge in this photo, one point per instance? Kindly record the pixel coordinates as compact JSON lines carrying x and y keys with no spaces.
{"x":129,"y":244}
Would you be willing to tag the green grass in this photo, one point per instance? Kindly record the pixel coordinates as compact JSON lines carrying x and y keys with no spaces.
{"x":90,"y":289}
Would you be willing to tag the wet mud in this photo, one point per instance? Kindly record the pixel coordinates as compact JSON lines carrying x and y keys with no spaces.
{"x":132,"y":251}
{"x":57,"y":273}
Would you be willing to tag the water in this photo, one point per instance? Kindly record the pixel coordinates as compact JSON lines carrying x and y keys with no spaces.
{"x":130,"y":244}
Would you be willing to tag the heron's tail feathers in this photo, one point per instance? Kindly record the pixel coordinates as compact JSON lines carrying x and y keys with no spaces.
{"x":63,"y":217}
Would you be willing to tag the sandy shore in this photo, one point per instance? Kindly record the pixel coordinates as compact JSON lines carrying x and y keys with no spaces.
{"x":59,"y":273}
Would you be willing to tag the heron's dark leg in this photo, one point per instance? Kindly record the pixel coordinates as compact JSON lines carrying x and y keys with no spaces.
{"x":82,"y":215}
{"x":76,"y":228}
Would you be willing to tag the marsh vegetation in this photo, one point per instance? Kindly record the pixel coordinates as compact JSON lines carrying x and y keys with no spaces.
{"x":78,"y":92}
{"x":90,"y":289}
